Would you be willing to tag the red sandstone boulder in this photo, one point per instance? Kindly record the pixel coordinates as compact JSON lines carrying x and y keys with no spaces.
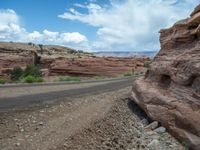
{"x":170,"y":91}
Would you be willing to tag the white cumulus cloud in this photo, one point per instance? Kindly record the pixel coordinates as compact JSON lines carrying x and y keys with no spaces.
{"x":12,"y":30}
{"x":10,"y":25}
{"x":72,"y":37}
{"x":130,"y":24}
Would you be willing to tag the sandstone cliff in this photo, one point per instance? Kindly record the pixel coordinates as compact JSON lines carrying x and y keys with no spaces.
{"x":170,"y":90}
{"x":58,"y":60}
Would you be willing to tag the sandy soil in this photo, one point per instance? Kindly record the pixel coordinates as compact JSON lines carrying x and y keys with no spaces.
{"x":102,"y":121}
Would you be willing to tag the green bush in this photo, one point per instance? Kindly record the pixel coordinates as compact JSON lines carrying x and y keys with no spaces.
{"x":29,"y":79}
{"x":32,"y":79}
{"x":39,"y":79}
{"x":31,"y":44}
{"x":32,"y":70}
{"x":136,"y":73}
{"x":71,"y":51}
{"x":31,"y":74}
{"x":99,"y":77}
{"x":146,"y":64}
{"x":127,"y":74}
{"x":16,"y":73}
{"x":68,"y":78}
{"x":2,"y":81}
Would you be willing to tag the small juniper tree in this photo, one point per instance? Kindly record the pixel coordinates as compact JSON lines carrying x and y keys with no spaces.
{"x":41,"y":48}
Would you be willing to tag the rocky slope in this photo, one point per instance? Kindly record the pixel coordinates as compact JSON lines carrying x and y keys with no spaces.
{"x":58,"y":60}
{"x":170,"y":91}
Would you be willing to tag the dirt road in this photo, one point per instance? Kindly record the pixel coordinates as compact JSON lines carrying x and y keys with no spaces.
{"x":101,"y":117}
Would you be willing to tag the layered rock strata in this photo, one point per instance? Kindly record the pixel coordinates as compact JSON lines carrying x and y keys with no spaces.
{"x":58,"y":60}
{"x":170,"y":90}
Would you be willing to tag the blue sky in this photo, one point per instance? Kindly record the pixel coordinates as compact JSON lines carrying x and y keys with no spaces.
{"x":92,"y":25}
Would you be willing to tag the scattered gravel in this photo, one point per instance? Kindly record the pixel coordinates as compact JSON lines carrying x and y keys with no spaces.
{"x":122,"y":128}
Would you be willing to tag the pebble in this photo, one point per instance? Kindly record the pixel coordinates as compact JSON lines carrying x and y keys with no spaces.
{"x":145,"y":122}
{"x":65,"y":145}
{"x":22,"y":130}
{"x":154,"y":145}
{"x":17,"y":144}
{"x":152,"y":126}
{"x":150,"y":133}
{"x":41,"y":123}
{"x":160,"y":130}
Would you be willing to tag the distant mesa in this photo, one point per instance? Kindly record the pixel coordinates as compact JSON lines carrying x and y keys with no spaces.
{"x":125,"y":54}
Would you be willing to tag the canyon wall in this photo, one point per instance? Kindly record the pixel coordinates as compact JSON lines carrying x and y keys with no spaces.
{"x":58,"y":60}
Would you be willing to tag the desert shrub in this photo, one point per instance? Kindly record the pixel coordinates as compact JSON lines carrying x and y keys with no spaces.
{"x":32,"y":70}
{"x":41,"y":48}
{"x":39,"y":79}
{"x":146,"y":64}
{"x":2,"y":81}
{"x":16,"y":73}
{"x":68,"y":78}
{"x":127,"y":74}
{"x":29,"y":79}
{"x":136,"y":73}
{"x":99,"y":77}
{"x":71,"y":51}
{"x":30,"y":43}
{"x":31,"y":74}
{"x":32,"y":79}
{"x":80,"y":51}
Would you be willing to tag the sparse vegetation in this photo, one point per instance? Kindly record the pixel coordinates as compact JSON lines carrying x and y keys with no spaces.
{"x":32,"y":70}
{"x":32,"y":79}
{"x":31,"y":74}
{"x":128,"y":74}
{"x":80,"y":51}
{"x":146,"y":64}
{"x":72,"y":51}
{"x":41,"y":48}
{"x":31,"y":44}
{"x":16,"y":73}
{"x":99,"y":77}
{"x":136,"y":73}
{"x":69,"y":78}
{"x":2,"y":81}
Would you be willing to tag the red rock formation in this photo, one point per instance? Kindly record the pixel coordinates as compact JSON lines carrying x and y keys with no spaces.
{"x":170,"y":90}
{"x":94,"y":66}
{"x":9,"y":61}
{"x":57,"y":60}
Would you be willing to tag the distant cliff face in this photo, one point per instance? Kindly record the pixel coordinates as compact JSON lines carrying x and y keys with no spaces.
{"x":58,"y":60}
{"x":170,"y":91}
{"x":20,"y":54}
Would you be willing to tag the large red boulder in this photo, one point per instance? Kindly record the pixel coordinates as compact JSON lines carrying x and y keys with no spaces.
{"x":170,"y":90}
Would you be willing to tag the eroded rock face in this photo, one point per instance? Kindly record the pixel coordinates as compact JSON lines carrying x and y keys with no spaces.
{"x":170,"y":90}
{"x":95,"y":66}
{"x":58,"y":60}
